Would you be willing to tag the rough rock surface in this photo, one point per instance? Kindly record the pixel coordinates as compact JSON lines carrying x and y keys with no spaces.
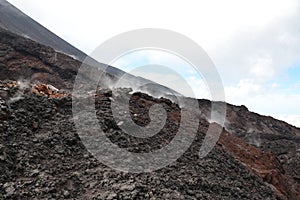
{"x":42,"y":157}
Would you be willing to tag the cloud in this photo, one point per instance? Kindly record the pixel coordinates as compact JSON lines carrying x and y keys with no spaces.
{"x":88,"y":23}
{"x":291,"y":119}
{"x":262,"y":68}
{"x":244,"y":89}
{"x":266,"y":101}
{"x":260,"y":53}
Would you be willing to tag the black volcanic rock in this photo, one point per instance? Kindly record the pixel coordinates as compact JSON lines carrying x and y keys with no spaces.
{"x":50,"y":161}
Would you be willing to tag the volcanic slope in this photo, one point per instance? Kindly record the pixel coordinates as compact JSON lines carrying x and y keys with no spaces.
{"x":42,"y":155}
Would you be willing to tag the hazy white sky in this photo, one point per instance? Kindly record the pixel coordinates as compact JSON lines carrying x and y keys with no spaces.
{"x":254,"y":44}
